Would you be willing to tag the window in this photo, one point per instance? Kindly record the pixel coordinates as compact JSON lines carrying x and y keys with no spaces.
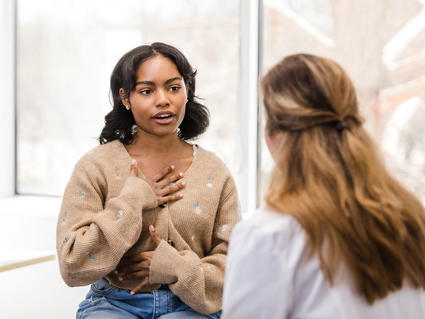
{"x":67,"y":50}
{"x":381,"y":46}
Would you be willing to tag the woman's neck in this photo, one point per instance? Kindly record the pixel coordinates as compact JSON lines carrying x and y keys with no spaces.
{"x":151,"y":144}
{"x":154,"y":153}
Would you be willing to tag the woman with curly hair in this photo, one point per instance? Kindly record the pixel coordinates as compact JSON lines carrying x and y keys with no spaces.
{"x":146,"y":216}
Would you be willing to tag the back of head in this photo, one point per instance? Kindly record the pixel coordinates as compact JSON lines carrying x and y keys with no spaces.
{"x":330,"y":177}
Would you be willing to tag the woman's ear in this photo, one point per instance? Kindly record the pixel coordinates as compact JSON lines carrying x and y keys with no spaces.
{"x":124,"y":99}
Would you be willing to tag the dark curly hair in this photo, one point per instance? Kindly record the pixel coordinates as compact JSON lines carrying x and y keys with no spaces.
{"x":119,"y":122}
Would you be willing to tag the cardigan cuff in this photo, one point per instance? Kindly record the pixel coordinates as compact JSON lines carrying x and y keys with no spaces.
{"x":164,"y":264}
{"x":136,"y":188}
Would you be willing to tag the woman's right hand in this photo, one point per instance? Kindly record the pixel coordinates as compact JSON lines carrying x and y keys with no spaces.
{"x":164,"y":184}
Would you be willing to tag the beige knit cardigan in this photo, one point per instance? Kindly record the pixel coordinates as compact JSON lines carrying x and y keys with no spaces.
{"x":105,"y":215}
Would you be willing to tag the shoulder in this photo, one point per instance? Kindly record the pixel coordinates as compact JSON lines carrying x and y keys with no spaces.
{"x":103,"y":154}
{"x":103,"y":160}
{"x":209,"y":164}
{"x":210,"y":159}
{"x":270,"y":230}
{"x":268,"y":222}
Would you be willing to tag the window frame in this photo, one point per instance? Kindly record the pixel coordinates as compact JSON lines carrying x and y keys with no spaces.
{"x":8,"y":92}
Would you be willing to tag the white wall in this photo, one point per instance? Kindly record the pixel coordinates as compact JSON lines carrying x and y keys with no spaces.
{"x":35,"y":291}
{"x":7,"y":105}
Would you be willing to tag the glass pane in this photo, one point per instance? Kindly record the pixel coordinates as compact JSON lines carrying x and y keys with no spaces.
{"x":67,"y":50}
{"x":381,"y":46}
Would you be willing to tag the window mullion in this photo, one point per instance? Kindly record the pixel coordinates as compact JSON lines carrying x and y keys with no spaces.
{"x":7,"y":92}
{"x":248,"y":99}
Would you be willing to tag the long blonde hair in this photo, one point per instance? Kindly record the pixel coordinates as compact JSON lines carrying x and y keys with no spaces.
{"x":330,"y":177}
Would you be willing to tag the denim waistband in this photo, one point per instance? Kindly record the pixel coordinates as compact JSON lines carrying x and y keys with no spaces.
{"x":103,"y":286}
{"x":164,"y":287}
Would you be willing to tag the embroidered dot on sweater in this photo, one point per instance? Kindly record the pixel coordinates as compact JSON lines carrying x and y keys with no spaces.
{"x":197,"y":208}
{"x":81,"y":194}
{"x":222,"y":228}
{"x":65,"y":240}
{"x":91,"y":257}
{"x":209,"y":184}
{"x":119,"y":214}
{"x":117,"y":172}
{"x":64,"y":218}
{"x":193,"y":237}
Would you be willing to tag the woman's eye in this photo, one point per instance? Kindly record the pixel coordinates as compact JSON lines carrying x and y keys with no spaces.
{"x":174,"y":88}
{"x":145,"y":91}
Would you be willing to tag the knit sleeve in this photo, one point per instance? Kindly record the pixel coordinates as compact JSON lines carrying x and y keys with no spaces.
{"x":92,"y":236}
{"x":198,"y":282}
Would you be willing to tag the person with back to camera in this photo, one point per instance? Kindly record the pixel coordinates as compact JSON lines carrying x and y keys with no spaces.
{"x":146,"y":217}
{"x":338,"y":236}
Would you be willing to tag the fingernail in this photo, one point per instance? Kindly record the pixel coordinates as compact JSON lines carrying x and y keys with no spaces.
{"x":131,"y":292}
{"x":172,"y":166}
{"x":133,"y":162}
{"x":152,"y":228}
{"x":183,"y":184}
{"x":180,"y":174}
{"x":120,"y":279}
{"x":116,"y":272}
{"x":181,"y":195}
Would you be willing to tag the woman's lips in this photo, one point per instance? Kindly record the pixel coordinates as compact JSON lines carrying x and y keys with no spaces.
{"x":163,"y":117}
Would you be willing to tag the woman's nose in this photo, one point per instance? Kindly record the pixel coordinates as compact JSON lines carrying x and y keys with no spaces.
{"x":162,"y":98}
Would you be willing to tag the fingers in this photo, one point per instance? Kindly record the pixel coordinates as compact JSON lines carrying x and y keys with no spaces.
{"x":131,"y":259}
{"x":170,"y":180}
{"x":170,"y":189}
{"x":133,"y":168}
{"x":145,"y":282}
{"x":134,"y":267}
{"x":134,"y":275}
{"x":170,"y":198}
{"x":164,"y":172}
{"x":154,"y":235}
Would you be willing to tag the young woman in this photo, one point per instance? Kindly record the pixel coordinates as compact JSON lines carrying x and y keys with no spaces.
{"x":146,"y":216}
{"x":339,"y":237}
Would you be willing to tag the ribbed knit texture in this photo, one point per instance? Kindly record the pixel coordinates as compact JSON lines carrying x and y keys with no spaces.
{"x":105,"y":214}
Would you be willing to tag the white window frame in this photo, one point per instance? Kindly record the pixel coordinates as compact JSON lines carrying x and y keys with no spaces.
{"x":250,"y":57}
{"x":7,"y":92}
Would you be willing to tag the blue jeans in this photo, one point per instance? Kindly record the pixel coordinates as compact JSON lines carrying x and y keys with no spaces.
{"x":104,"y":301}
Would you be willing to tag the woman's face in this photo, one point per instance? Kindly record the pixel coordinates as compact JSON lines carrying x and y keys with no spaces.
{"x":158,"y":102}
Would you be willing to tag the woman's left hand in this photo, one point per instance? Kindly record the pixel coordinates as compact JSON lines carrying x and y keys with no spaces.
{"x":138,"y":265}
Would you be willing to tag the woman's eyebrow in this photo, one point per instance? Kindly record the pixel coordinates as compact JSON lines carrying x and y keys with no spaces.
{"x":173,"y":79}
{"x":152,"y":83}
{"x":145,"y":82}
